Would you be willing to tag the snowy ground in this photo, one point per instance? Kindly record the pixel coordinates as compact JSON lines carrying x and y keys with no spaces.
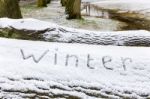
{"x":136,"y":6}
{"x":56,"y":13}
{"x":40,"y":69}
{"x":51,"y":69}
{"x":135,"y":13}
{"x":35,"y":69}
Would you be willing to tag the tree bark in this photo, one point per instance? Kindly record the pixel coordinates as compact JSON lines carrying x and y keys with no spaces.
{"x":48,"y":1}
{"x":10,"y":9}
{"x":42,"y":3}
{"x":73,"y":9}
{"x":63,"y":2}
{"x":64,"y":90}
{"x":127,"y":38}
{"x":61,"y":34}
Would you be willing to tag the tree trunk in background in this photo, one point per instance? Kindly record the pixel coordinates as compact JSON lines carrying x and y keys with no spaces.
{"x":73,"y":9}
{"x":42,"y":3}
{"x":48,"y":1}
{"x":63,"y":2}
{"x":10,"y":9}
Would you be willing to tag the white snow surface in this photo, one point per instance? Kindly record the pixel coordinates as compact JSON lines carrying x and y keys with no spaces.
{"x":29,"y":24}
{"x":129,"y":77}
{"x":35,"y":24}
{"x":139,"y":6}
{"x":123,"y":71}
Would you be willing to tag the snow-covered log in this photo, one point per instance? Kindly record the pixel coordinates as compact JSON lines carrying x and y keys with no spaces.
{"x":39,"y":30}
{"x":45,"y":70}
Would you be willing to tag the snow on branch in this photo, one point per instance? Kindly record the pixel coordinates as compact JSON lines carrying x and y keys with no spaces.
{"x":40,"y":30}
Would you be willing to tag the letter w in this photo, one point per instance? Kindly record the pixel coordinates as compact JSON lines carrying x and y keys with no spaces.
{"x":33,"y":57}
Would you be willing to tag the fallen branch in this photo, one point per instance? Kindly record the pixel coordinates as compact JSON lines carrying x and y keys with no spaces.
{"x":53,"y":33}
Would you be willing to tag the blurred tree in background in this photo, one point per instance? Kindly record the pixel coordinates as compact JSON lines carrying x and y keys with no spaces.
{"x":73,"y":9}
{"x":42,"y":3}
{"x":10,"y":9}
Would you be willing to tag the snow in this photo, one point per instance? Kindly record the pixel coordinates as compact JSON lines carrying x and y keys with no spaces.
{"x":74,"y":69}
{"x":29,"y":23}
{"x":57,"y":33}
{"x":139,"y":6}
{"x":131,"y":71}
{"x":103,"y":8}
{"x":43,"y":67}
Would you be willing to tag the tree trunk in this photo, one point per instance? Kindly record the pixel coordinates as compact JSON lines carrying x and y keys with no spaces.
{"x":63,"y":2}
{"x":48,"y":1}
{"x":10,"y":9}
{"x":73,"y":9}
{"x":42,"y":3}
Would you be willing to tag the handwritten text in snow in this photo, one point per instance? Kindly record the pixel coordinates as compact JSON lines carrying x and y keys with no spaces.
{"x":75,"y":59}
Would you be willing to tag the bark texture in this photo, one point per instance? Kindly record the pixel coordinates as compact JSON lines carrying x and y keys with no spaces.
{"x":57,"y":90}
{"x":63,"y":2}
{"x":61,"y":34}
{"x":42,"y":3}
{"x":10,"y":9}
{"x":73,"y":9}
